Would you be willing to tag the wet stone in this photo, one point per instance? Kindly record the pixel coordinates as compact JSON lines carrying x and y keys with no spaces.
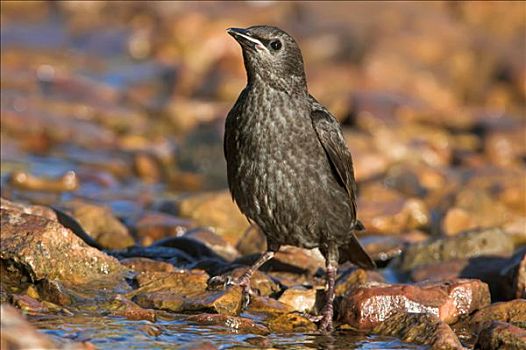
{"x":233,"y":323}
{"x":501,"y":335}
{"x":174,"y":255}
{"x":503,"y":275}
{"x":512,"y":312}
{"x":46,"y":249}
{"x":147,"y":265}
{"x":215,"y":209}
{"x":420,"y":329}
{"x":181,"y":282}
{"x":153,"y":226}
{"x":470,"y":244}
{"x":519,"y":280}
{"x":354,"y":277}
{"x":198,"y":346}
{"x":39,"y":210}
{"x":368,"y":305}
{"x":260,"y":283}
{"x":100,"y":223}
{"x":299,"y":298}
{"x":475,"y":208}
{"x":123,"y":307}
{"x":291,"y":323}
{"x":55,"y":292}
{"x":215,"y":242}
{"x":25,"y":181}
{"x":393,"y":216}
{"x":191,"y":246}
{"x":28,"y":304}
{"x":268,"y":306}
{"x":227,"y":302}
{"x":17,"y":333}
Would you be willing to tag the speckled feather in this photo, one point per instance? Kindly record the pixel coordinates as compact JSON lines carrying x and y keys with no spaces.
{"x":289,"y":169}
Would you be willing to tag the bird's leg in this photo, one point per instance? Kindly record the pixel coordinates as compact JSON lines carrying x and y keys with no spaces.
{"x":244,"y":280}
{"x":328,"y":310}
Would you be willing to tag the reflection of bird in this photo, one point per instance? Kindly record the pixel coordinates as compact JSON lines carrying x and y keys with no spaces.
{"x":289,"y":169}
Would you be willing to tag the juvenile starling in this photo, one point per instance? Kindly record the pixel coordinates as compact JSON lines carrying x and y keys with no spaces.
{"x":289,"y":169}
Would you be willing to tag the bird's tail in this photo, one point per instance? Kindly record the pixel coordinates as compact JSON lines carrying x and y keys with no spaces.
{"x":354,"y":251}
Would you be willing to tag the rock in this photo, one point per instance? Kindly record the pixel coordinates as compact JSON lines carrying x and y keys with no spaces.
{"x":501,"y":335}
{"x":215,"y":242}
{"x":147,"y":265}
{"x":504,"y":147}
{"x":19,"y":334}
{"x":292,"y":279}
{"x":300,"y":299}
{"x":174,"y":256}
{"x":236,"y":324}
{"x":228,"y":302}
{"x":191,"y":246}
{"x":25,"y":181}
{"x":512,"y":312}
{"x":216,"y":209}
{"x":123,"y":307}
{"x":439,"y":271}
{"x":28,"y":304}
{"x":367,"y":160}
{"x":45,"y":249}
{"x":457,"y":220}
{"x":260,"y":283}
{"x":151,"y":331}
{"x":180,"y":282}
{"x":291,"y":323}
{"x":475,"y":208}
{"x":470,"y":244}
{"x":260,"y":342}
{"x":147,"y":167}
{"x":100,"y":223}
{"x":393,"y":216}
{"x":268,"y":306}
{"x":198,"y":346}
{"x":39,"y":210}
{"x":519,"y":281}
{"x":367,"y":305}
{"x":55,"y":292}
{"x":153,"y":226}
{"x":419,"y":328}
{"x":381,"y":247}
{"x":503,"y":275}
{"x":354,"y":277}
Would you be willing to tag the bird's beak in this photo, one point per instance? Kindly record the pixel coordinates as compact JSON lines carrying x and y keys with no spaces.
{"x":245,"y":39}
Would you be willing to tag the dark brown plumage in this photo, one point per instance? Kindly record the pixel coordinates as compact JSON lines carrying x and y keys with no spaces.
{"x":289,"y":169}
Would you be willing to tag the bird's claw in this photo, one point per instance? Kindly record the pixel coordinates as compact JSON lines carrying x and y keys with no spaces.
{"x":223,"y":282}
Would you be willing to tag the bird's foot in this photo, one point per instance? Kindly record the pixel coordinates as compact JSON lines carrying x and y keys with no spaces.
{"x":223,"y":282}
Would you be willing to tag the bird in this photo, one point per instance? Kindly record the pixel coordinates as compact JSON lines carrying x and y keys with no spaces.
{"x":289,"y":169}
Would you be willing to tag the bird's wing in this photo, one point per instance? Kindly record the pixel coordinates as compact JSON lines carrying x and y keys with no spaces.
{"x":229,"y":141}
{"x":331,"y":138}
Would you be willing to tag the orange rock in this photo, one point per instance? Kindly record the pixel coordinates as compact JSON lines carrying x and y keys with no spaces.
{"x":367,"y":306}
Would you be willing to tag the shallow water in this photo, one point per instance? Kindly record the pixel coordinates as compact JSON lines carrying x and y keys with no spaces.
{"x":117,"y":333}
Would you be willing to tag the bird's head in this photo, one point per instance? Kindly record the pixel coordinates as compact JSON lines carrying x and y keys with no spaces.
{"x":272,"y":56}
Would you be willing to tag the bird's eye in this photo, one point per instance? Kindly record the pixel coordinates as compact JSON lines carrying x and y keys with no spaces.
{"x":275,"y":44}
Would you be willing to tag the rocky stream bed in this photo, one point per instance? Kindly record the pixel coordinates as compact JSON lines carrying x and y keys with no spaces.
{"x":114,"y":208}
